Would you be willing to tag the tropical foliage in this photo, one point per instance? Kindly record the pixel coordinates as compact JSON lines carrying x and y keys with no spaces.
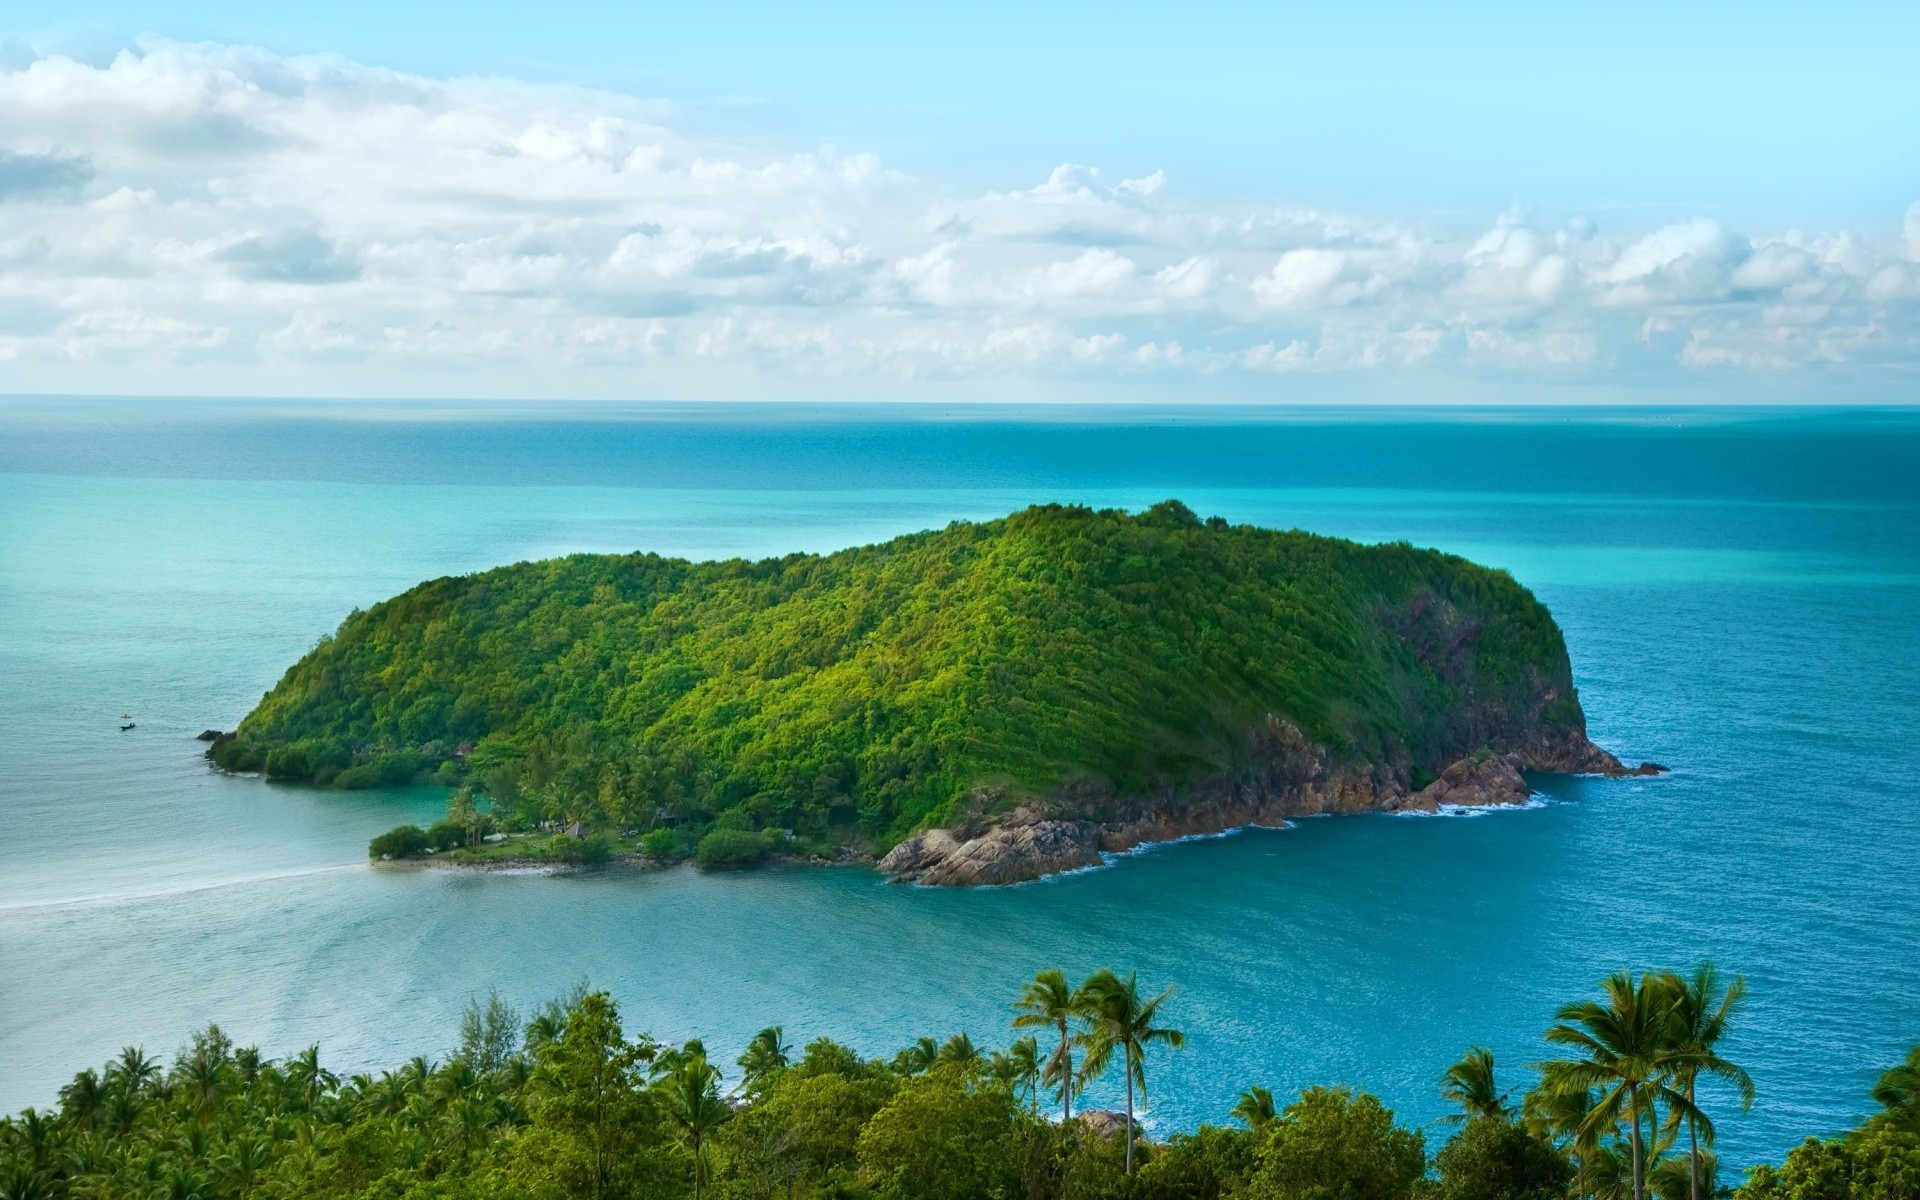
{"x":853,"y":697}
{"x":565,"y":1105}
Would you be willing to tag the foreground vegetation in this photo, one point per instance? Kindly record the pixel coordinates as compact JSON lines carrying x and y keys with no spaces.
{"x":848,"y":699}
{"x":567,"y":1105}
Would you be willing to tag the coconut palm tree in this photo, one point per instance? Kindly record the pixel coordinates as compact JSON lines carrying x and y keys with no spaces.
{"x":246,"y":1157}
{"x":1701,"y":1008}
{"x":918,"y":1057}
{"x":136,"y":1071}
{"x":308,"y":1077}
{"x":1898,"y":1091}
{"x":1049,"y":1002}
{"x":1023,"y":1061}
{"x":1118,"y":1019}
{"x":692,"y":1092}
{"x":1558,"y":1110}
{"x":1624,"y":1042}
{"x":765,"y":1054}
{"x":1469,"y":1083}
{"x":83,"y":1099}
{"x":1254,"y":1108}
{"x":959,"y":1050}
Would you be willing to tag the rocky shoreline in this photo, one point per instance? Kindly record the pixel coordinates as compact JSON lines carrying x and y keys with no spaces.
{"x":1293,"y":778}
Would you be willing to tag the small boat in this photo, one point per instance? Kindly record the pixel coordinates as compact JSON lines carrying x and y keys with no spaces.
{"x":127,"y":722}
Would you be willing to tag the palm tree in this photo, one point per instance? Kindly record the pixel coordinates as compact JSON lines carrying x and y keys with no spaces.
{"x":1701,"y":1007}
{"x":765,"y":1054}
{"x":1049,"y":1002}
{"x":692,"y":1089}
{"x":918,"y":1057}
{"x":1023,"y":1059}
{"x":1624,"y":1043}
{"x":1119,"y":1019}
{"x":1469,"y":1083}
{"x":309,"y":1077}
{"x":1898,"y":1091}
{"x":135,"y":1069}
{"x":1558,"y":1109}
{"x":1254,"y":1107}
{"x":243,"y":1162}
{"x":960,"y":1051}
{"x":83,"y":1099}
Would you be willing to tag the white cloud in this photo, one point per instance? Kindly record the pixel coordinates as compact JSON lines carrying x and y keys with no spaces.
{"x":188,"y":214}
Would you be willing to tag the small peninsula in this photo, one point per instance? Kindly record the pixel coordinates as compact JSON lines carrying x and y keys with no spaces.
{"x":981,"y":704}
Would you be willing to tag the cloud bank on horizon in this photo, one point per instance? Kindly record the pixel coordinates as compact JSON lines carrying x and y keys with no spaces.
{"x":206,"y":218}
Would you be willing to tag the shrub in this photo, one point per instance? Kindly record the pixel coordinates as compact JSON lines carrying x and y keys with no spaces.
{"x":589,"y":851}
{"x":661,"y":843}
{"x":402,"y":841}
{"x":445,"y":835}
{"x":728,"y":849}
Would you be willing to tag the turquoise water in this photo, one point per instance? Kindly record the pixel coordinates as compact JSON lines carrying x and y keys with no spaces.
{"x":1740,"y":592}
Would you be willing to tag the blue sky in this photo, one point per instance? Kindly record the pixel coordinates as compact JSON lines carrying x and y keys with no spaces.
{"x":1671,"y":191}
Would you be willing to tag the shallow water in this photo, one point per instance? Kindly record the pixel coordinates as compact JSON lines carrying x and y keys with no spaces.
{"x":1739,"y":593}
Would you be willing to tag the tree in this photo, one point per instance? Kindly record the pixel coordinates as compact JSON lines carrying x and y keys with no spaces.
{"x":1493,"y":1158}
{"x":939,"y":1140}
{"x":960,"y":1051}
{"x":1701,"y":1007}
{"x":1118,"y":1019}
{"x":1624,"y":1042}
{"x":1049,"y":1002}
{"x":1470,"y":1084}
{"x":1897,"y":1091}
{"x":1254,"y":1108}
{"x":1559,"y":1109}
{"x":1023,"y":1067}
{"x":918,"y":1057}
{"x":591,"y":1120}
{"x":1332,"y":1144}
{"x":765,"y":1054}
{"x":309,"y":1078}
{"x":692,"y":1092}
{"x":488,"y":1033}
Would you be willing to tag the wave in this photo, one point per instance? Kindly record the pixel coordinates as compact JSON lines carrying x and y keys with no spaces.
{"x":1534,"y":800}
{"x":102,"y":899}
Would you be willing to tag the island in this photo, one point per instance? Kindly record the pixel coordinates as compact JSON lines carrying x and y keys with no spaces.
{"x":986,"y":703}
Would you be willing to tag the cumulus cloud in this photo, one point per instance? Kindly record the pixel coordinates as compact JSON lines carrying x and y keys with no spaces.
{"x":185,"y":210}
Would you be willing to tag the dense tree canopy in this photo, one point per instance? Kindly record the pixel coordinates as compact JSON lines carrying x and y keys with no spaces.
{"x":862,"y":694}
{"x":568,"y":1105}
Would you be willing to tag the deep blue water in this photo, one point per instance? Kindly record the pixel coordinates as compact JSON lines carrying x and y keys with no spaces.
{"x":1740,"y":593}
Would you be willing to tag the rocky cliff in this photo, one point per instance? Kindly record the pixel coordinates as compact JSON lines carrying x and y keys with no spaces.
{"x":1290,"y":777}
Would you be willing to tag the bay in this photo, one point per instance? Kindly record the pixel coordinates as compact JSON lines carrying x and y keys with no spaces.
{"x":1740,"y":592}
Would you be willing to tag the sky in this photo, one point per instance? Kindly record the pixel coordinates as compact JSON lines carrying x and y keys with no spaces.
{"x":1354,"y":203}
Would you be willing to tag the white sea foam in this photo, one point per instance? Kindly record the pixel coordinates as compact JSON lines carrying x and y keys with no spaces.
{"x":1534,"y":800}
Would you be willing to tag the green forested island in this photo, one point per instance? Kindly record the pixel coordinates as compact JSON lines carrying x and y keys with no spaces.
{"x":1035,"y":688}
{"x":569,"y":1106}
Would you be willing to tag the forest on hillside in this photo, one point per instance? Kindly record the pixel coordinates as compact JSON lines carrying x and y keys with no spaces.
{"x":850,"y":698}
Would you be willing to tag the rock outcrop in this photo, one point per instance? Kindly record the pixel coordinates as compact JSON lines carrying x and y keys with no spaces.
{"x":1480,"y":781}
{"x":1026,"y":846}
{"x":1102,"y":1122}
{"x":1291,"y":777}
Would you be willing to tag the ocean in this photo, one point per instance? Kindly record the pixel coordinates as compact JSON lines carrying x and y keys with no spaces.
{"x":1740,"y":590}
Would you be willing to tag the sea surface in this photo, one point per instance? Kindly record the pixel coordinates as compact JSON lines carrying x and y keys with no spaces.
{"x":1740,"y":592}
